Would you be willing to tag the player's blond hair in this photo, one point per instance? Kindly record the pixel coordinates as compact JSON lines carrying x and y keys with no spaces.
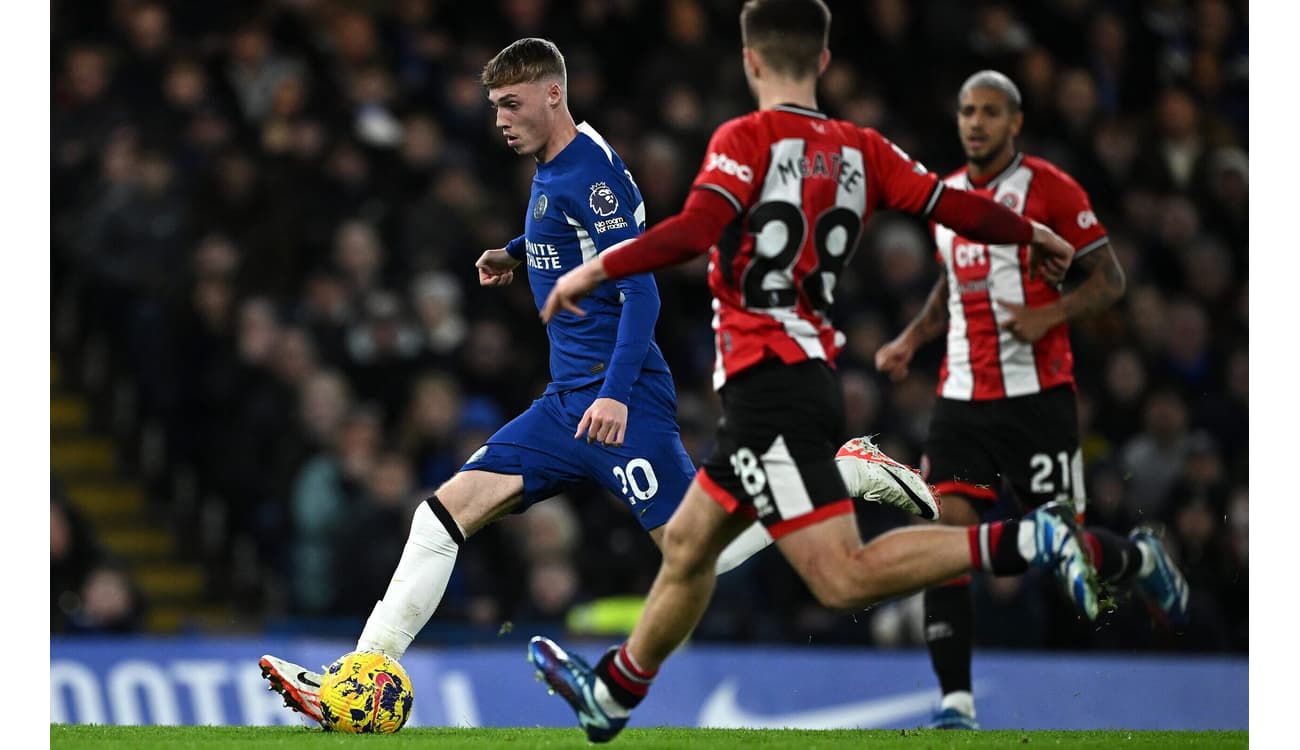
{"x":789,"y":35}
{"x":524,"y":61}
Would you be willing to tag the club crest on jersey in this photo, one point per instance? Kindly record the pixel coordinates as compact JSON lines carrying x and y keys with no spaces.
{"x":602,"y":200}
{"x":1010,"y":201}
{"x":539,"y":208}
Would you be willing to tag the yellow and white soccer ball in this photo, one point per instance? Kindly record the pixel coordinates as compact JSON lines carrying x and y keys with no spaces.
{"x":365,"y":693}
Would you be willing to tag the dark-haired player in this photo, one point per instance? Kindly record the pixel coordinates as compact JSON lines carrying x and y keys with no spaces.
{"x":779,"y":202}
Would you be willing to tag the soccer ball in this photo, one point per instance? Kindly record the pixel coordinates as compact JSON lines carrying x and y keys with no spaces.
{"x":365,"y":693}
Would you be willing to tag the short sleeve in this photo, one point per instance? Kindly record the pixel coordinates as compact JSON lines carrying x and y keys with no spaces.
{"x":898,"y":181}
{"x":731,"y":162}
{"x":1071,"y":214}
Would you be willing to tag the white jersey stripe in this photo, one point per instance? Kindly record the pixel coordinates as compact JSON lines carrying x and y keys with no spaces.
{"x":733,"y":200}
{"x":585,"y":242}
{"x":785,"y":482}
{"x":1019,"y":370}
{"x":1090,"y":247}
{"x":960,"y":383}
{"x":599,"y":140}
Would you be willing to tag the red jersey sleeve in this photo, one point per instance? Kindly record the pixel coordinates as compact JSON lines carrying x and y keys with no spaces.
{"x":1070,"y":213}
{"x":896,"y":180}
{"x":731,"y":163}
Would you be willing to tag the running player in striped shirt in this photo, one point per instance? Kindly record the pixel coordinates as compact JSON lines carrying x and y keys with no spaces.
{"x":1006,"y":407}
{"x":779,"y":203}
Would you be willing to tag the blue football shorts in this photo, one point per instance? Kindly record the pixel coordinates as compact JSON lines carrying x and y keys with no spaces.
{"x":649,"y":472}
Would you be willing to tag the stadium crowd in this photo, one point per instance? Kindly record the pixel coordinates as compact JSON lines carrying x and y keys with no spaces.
{"x":266,"y":215}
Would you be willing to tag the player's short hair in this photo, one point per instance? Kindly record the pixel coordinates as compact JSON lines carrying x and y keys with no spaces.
{"x":524,"y":61}
{"x":788,"y":34}
{"x":992,"y":79}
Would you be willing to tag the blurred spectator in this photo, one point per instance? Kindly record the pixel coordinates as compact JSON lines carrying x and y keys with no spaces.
{"x":89,"y":591}
{"x":1154,"y":458}
{"x":328,"y":492}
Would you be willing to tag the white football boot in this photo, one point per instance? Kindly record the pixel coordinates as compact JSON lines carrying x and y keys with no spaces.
{"x":299,"y":686}
{"x":871,"y":475}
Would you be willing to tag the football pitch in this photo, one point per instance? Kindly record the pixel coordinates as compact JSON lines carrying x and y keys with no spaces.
{"x":256,"y":738}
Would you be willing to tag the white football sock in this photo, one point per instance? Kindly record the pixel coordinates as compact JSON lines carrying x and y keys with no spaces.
{"x":750,"y":541}
{"x":962,"y":700}
{"x":416,"y":588}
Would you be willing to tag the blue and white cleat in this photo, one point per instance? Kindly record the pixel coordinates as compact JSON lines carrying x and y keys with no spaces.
{"x":575,"y":681}
{"x":1164,"y":583}
{"x":951,"y":718}
{"x":1055,"y":546}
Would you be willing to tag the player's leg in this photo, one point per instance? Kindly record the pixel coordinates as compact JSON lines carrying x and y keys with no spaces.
{"x":1043,"y":463}
{"x":463,"y":505}
{"x":960,"y":458}
{"x":696,"y":536}
{"x":500,"y":477}
{"x":603,"y":696}
{"x":651,"y":472}
{"x":905,"y":560}
{"x":949,"y":630}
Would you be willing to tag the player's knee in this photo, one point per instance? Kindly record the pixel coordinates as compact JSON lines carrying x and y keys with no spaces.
{"x":683,"y":550}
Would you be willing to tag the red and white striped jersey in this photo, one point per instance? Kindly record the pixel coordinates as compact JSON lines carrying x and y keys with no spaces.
{"x":983,"y":361}
{"x":802,"y":185}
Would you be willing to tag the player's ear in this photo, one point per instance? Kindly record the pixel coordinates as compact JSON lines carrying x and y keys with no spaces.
{"x":554,"y":93}
{"x":751,"y":61}
{"x":1017,"y":122}
{"x":823,"y":61}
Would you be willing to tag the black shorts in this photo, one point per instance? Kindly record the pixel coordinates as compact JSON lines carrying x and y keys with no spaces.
{"x":1029,"y":442}
{"x":774,"y":457}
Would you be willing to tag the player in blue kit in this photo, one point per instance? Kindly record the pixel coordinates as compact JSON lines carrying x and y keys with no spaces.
{"x":610,"y":411}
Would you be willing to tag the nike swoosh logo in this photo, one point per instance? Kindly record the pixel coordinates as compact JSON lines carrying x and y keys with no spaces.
{"x":305,"y":678}
{"x":926,"y":513}
{"x":722,"y":710}
{"x":381,"y":680}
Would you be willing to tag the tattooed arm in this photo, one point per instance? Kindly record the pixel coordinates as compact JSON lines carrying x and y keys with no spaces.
{"x":1103,"y":284}
{"x":932,"y":321}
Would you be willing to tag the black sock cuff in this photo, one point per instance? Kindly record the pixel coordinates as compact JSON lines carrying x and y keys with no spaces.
{"x":605,"y":670}
{"x":443,"y":515}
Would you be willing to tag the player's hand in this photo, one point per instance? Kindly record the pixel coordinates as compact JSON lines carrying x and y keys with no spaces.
{"x":893,"y":358}
{"x":496,"y":268}
{"x":1029,"y":324}
{"x":605,"y":422}
{"x":572,"y":287}
{"x":1049,"y":255}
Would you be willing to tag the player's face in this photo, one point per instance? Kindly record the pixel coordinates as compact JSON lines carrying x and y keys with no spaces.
{"x":986,"y":125}
{"x":523,"y":116}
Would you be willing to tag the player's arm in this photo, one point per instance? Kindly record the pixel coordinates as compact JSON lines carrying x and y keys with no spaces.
{"x":904,"y":184}
{"x":893,"y":357}
{"x":1103,"y":284}
{"x":1070,"y":213}
{"x":496,"y":267}
{"x":674,"y":240}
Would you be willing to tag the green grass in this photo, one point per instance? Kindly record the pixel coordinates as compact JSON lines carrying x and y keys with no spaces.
{"x":255,"y":738}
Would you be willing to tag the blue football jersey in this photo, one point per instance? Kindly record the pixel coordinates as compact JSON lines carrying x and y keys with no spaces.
{"x":584,"y":202}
